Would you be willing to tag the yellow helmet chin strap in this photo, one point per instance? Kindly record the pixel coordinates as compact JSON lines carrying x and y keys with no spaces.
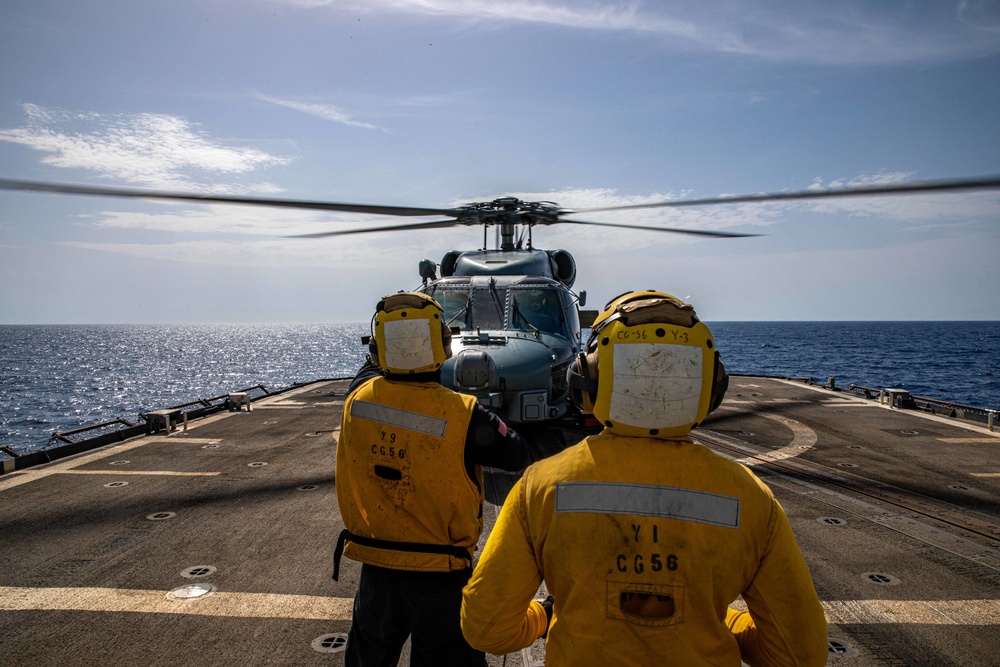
{"x":410,"y":335}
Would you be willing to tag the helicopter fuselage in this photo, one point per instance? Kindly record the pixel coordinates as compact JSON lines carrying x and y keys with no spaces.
{"x":519,"y":329}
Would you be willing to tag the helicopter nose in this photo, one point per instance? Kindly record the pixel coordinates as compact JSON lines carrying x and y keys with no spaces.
{"x":475,"y":371}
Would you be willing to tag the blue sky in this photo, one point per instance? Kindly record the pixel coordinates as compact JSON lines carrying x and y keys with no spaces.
{"x":440,"y":102}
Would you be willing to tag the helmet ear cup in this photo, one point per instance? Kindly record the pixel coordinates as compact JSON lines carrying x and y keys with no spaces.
{"x":720,"y":383}
{"x":582,"y":376}
{"x":446,"y":334}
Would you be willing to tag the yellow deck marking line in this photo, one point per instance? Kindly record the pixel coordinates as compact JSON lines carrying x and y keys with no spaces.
{"x":223,"y":604}
{"x":959,"y":441}
{"x":898,"y":612}
{"x":847,"y":404}
{"x":180,"y":437}
{"x":25,"y":476}
{"x":173,"y":473}
{"x":18,"y":478}
{"x":317,"y":607}
{"x":924,"y":612}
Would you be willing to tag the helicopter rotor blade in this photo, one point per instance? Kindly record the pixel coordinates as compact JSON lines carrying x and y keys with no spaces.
{"x":987,"y":183}
{"x":672,"y":230}
{"x":59,"y":188}
{"x":433,"y":224}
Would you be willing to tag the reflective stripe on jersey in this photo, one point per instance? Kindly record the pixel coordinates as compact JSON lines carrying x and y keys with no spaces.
{"x":411,"y":421}
{"x":646,"y":500}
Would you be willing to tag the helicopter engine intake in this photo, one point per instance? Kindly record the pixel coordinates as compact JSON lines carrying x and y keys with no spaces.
{"x":563,"y":266}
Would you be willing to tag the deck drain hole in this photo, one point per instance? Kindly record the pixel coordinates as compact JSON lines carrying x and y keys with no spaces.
{"x":257,"y":464}
{"x":335,"y":643}
{"x":191,"y":591}
{"x":307,"y":487}
{"x":210,"y":446}
{"x":881,"y":578}
{"x":119,"y":463}
{"x":198,"y":571}
{"x":856,"y":447}
{"x":832,"y":521}
{"x":115,"y":485}
{"x":848,"y":465}
{"x":161,"y":516}
{"x":959,"y":487}
{"x":838,"y":648}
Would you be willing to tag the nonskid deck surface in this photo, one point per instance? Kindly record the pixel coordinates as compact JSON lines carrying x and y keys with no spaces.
{"x":214,"y":546}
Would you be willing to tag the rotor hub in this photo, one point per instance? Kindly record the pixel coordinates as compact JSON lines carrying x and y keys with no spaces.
{"x":508,"y":213}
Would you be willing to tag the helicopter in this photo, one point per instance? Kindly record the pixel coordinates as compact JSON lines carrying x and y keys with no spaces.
{"x":517,"y":323}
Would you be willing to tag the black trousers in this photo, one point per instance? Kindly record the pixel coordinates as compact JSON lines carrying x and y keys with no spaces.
{"x":392,"y":605}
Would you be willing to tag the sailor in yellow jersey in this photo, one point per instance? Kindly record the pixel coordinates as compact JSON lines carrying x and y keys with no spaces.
{"x":410,"y":489}
{"x":644,"y":538}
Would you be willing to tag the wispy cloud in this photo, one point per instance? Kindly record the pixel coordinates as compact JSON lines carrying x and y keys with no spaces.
{"x":853,"y":32}
{"x":325,"y":111}
{"x":351,"y":258}
{"x":155,"y":150}
{"x":234,"y":219}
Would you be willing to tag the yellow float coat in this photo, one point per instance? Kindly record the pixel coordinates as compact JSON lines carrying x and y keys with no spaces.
{"x":644,"y":543}
{"x":401,"y":474}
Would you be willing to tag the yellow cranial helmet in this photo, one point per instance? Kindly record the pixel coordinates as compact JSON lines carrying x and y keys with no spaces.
{"x":650,"y":367}
{"x":410,"y":335}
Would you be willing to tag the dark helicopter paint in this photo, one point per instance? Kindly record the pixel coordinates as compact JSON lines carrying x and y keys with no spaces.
{"x":519,"y":327}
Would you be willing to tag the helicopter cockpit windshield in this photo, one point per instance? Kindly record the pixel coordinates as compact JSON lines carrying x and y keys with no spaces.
{"x":537,"y":309}
{"x":532,"y":308}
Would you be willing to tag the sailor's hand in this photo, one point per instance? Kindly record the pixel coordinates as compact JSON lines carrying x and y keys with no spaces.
{"x":547,"y":605}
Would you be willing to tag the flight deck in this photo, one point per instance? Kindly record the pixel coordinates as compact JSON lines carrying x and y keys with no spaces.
{"x":212,"y":544}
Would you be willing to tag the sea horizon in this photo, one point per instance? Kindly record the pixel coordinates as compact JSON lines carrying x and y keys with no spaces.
{"x":57,"y":377}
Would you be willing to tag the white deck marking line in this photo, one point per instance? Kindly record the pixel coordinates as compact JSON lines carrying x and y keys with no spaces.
{"x":223,"y":604}
{"x":915,"y":413}
{"x":173,"y":473}
{"x":803,"y":438}
{"x":985,"y":474}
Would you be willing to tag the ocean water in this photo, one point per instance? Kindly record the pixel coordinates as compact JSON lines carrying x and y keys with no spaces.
{"x":57,"y":378}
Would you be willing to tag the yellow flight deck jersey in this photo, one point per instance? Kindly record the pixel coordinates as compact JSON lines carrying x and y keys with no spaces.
{"x":644,"y":543}
{"x":402,"y":483}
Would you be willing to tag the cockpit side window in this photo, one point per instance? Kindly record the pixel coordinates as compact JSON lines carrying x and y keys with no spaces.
{"x":455,"y":302}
